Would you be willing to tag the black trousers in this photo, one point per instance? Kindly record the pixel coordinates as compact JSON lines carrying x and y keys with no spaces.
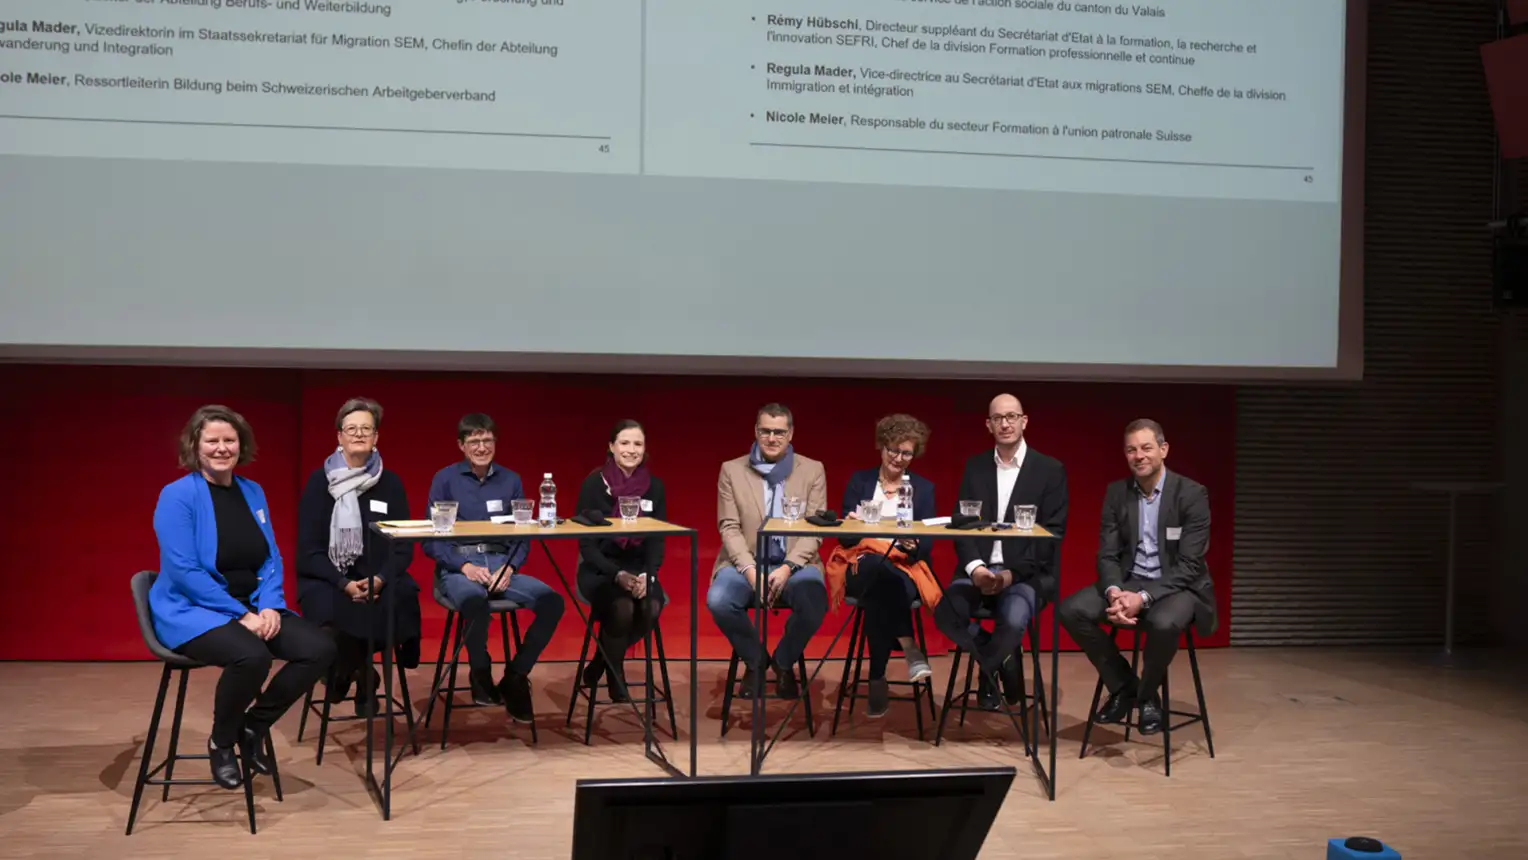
{"x":349,"y":660}
{"x":624,"y":620}
{"x":886,"y":595}
{"x":246,"y":661}
{"x":1163,"y":624}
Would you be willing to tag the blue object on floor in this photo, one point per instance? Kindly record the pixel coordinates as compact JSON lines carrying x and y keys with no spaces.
{"x":1359,"y":848}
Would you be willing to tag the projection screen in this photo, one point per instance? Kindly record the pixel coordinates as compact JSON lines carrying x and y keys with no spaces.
{"x":946,"y":187}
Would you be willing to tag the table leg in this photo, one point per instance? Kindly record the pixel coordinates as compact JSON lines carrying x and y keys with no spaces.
{"x":650,"y":741}
{"x":1055,"y":693}
{"x":387,"y":707}
{"x":694,"y":640}
{"x":764,"y":749}
{"x":760,"y":620}
{"x":383,"y":791}
{"x":1448,"y":598}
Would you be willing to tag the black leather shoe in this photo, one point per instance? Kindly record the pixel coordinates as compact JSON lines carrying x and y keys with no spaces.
{"x":748,"y":685}
{"x":483,"y":690}
{"x":516,"y":690}
{"x":786,"y":685}
{"x":225,"y":766}
{"x":1151,"y":716}
{"x":1008,"y":674}
{"x":986,"y":693}
{"x":1117,"y":709}
{"x":252,"y":747}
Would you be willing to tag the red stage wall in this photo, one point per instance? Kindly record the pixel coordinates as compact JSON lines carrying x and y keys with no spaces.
{"x":86,"y":449}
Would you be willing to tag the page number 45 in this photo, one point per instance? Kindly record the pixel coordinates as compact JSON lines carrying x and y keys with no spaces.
{"x":605,"y":147}
{"x":1309,"y":179}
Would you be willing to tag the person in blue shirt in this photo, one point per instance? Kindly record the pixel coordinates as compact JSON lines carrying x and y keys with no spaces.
{"x":468,"y":573}
{"x":218,"y":598}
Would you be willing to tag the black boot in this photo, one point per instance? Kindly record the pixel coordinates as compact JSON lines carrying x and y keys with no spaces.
{"x":515,"y":690}
{"x":252,"y":748}
{"x":366,"y":695}
{"x":483,"y":690}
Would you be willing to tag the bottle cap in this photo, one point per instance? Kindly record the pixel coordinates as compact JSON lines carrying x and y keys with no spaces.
{"x":547,"y":475}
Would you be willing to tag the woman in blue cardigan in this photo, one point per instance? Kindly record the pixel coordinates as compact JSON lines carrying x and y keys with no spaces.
{"x":218,"y":598}
{"x":884,"y":592}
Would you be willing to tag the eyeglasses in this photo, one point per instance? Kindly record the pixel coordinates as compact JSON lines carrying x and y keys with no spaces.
{"x":480,"y":443}
{"x":896,"y":454}
{"x":771,"y":432}
{"x":1006,"y":418}
{"x":358,"y":432}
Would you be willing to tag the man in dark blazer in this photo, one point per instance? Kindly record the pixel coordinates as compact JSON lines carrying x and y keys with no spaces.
{"x":1009,"y":575}
{"x":1152,"y":537}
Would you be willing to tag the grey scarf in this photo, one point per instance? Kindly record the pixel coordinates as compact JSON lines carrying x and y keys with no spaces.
{"x":346,"y":486}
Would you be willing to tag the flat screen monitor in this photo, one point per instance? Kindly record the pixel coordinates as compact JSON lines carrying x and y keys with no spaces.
{"x":890,"y":815}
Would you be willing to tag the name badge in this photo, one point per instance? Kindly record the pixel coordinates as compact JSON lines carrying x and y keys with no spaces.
{"x":378,"y":506}
{"x":260,"y":515}
{"x":1174,"y":533}
{"x":495,"y":506}
{"x":647,"y":505}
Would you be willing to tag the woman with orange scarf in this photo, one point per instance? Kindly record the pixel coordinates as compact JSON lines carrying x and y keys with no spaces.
{"x":886,"y":578}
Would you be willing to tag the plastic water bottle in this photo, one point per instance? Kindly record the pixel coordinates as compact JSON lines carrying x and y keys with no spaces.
{"x":548,"y":513}
{"x":905,"y":503}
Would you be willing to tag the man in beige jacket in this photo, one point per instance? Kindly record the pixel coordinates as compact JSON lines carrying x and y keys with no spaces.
{"x":751,"y":489}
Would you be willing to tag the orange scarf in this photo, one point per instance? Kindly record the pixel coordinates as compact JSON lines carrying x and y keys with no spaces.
{"x":836,"y":570}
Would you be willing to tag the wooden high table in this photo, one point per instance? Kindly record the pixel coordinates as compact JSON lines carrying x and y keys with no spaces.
{"x":853,"y":529}
{"x":488,"y":532}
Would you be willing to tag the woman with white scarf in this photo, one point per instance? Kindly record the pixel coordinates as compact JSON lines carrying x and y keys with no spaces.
{"x":337,"y":565}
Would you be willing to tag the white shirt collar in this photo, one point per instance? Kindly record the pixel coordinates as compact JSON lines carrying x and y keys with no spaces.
{"x":1018,"y":457}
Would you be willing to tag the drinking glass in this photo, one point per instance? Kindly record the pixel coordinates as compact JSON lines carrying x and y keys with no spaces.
{"x":631,"y":508}
{"x":524,"y":511}
{"x":791,"y":508}
{"x":1024,"y":517}
{"x":970,"y":508}
{"x":870,"y":512}
{"x":443,"y":517}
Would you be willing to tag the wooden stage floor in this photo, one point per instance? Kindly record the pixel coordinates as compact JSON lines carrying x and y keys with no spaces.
{"x":1309,"y":745}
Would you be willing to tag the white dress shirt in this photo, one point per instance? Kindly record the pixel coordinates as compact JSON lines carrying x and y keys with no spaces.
{"x":1007,"y":476}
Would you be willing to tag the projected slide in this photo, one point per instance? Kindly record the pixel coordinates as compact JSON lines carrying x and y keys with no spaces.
{"x":1188,"y":97}
{"x":1192,"y":97}
{"x":941,"y":187}
{"x":488,"y":84}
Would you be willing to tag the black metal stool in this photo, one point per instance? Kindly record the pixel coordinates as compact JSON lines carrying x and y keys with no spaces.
{"x":499,"y":607}
{"x":1026,"y":701}
{"x":858,"y":645}
{"x":325,"y":718}
{"x":734,"y":685}
{"x":1167,"y":713}
{"x":173,"y":662}
{"x":649,"y":702}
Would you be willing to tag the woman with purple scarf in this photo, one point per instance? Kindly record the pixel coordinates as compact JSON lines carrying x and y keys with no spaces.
{"x":338,"y":564}
{"x":618,"y":576}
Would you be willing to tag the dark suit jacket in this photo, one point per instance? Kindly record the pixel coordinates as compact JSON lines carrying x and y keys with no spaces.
{"x":1185,"y":505}
{"x":862,"y":487}
{"x":1042,"y":483}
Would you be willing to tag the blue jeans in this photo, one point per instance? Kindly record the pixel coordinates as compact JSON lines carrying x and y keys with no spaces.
{"x":1011,"y":610}
{"x":730,"y":597}
{"x":471,"y":600}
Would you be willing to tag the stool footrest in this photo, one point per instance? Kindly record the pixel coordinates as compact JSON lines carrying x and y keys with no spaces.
{"x":398,"y":713}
